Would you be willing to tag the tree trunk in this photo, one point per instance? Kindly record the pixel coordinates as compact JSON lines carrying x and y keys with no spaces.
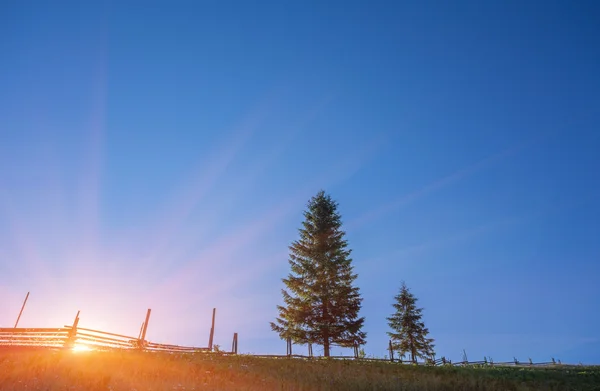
{"x":411,"y":342}
{"x":326,"y":329}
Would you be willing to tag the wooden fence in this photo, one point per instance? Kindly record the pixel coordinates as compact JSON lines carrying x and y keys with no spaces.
{"x":82,"y":339}
{"x":42,"y":337}
{"x":359,"y":355}
{"x":79,"y":338}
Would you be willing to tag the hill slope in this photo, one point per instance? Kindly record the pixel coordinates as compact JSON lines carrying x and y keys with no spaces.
{"x":116,"y":371}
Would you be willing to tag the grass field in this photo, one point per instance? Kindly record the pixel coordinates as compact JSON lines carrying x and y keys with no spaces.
{"x":66,"y":370}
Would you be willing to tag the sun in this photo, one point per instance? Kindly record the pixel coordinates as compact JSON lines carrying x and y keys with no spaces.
{"x":81,"y":348}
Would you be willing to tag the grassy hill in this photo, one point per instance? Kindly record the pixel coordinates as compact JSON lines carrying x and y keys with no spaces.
{"x":115,"y":371}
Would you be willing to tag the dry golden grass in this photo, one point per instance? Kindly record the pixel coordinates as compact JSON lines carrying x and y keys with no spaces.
{"x":66,"y":370}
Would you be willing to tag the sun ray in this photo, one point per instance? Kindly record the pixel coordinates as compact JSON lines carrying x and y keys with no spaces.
{"x":224,"y":248}
{"x":206,"y":176}
{"x":434,"y":186}
{"x":189,"y":197}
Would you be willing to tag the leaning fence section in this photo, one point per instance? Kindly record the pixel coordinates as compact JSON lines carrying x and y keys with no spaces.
{"x":79,"y":338}
{"x":101,"y":340}
{"x":33,"y":337}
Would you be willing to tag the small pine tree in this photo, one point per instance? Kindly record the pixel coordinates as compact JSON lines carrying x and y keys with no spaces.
{"x":321,"y":303}
{"x":409,"y":334}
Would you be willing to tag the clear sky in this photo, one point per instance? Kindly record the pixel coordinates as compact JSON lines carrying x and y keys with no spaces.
{"x":160,"y":155}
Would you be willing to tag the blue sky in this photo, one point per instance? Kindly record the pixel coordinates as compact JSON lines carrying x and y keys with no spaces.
{"x":160,"y":155}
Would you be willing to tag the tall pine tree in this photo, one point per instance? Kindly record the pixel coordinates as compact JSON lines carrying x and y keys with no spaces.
{"x":409,"y":333}
{"x":321,"y":303}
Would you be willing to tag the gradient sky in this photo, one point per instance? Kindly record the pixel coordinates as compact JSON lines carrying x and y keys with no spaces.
{"x":160,"y":155}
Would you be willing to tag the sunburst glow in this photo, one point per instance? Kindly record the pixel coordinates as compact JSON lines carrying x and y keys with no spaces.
{"x":81,"y":348}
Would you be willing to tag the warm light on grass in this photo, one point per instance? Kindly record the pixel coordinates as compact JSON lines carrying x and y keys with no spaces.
{"x":52,"y":370}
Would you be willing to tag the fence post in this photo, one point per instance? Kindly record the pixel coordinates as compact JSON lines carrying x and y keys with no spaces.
{"x":234,"y":344}
{"x":391,"y":349}
{"x":432,"y":360}
{"x":22,"y":308}
{"x":72,"y":335}
{"x":212,"y":331}
{"x":142,"y":341}
{"x":140,"y":333}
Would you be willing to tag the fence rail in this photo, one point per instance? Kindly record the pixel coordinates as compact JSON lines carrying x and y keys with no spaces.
{"x":74,"y":338}
{"x":80,"y":338}
{"x":51,"y":337}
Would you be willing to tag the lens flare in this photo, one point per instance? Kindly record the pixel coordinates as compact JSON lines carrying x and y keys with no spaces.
{"x":81,"y":348}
